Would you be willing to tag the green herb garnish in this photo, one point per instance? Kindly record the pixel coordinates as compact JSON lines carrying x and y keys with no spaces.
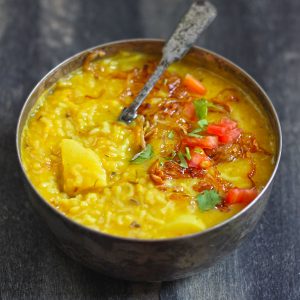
{"x":207,"y":200}
{"x":187,"y":153}
{"x":171,"y":135}
{"x":195,"y":135}
{"x":201,"y":108}
{"x":142,"y":156}
{"x":183,"y":162}
{"x":199,"y":150}
{"x":196,"y":130}
{"x":202,"y":124}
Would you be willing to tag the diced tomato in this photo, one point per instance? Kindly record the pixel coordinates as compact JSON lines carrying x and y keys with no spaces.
{"x":237,"y":195}
{"x":207,"y":142}
{"x":189,"y":111}
{"x":199,"y":160}
{"x":226,"y":130}
{"x":194,"y":85}
{"x":227,"y":123}
{"x":230,"y":136}
{"x":216,"y":129}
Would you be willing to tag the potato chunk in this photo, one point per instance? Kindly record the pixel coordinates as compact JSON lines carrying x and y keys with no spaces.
{"x":82,"y":168}
{"x":185,"y":224}
{"x":236,"y":172}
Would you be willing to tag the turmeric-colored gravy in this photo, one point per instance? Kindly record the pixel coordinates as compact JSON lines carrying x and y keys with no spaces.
{"x":200,"y":150}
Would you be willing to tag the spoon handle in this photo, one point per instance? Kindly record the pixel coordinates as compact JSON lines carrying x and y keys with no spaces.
{"x":200,"y":14}
{"x":195,"y":21}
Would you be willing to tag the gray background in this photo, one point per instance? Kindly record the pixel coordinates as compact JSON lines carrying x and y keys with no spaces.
{"x":262,"y":36}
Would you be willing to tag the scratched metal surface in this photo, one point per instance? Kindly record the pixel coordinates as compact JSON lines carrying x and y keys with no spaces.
{"x":260,"y":36}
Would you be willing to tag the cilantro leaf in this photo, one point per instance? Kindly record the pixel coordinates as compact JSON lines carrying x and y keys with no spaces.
{"x":202,"y":124}
{"x":187,"y":153}
{"x":171,"y":135}
{"x":195,"y":135}
{"x":196,"y":130}
{"x":183,"y":162}
{"x":142,"y":156}
{"x":207,"y":200}
{"x":201,"y":108}
{"x":199,"y":150}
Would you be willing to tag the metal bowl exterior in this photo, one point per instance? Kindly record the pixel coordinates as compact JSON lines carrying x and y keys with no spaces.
{"x":150,"y":260}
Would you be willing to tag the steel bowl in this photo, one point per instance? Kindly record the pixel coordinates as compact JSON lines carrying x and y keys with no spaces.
{"x":158,"y":259}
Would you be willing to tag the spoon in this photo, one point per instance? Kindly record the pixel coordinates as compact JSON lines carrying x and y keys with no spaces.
{"x":199,"y":16}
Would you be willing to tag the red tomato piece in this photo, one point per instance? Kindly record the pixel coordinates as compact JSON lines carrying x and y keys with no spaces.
{"x":207,"y":142}
{"x":237,"y":195}
{"x":189,"y":111}
{"x":227,"y":123}
{"x":199,"y":160}
{"x":216,"y":129}
{"x":230,"y":136}
{"x":194,"y":85}
{"x":226,"y":130}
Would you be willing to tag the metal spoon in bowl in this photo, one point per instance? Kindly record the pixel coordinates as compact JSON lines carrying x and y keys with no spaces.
{"x":195,"y":21}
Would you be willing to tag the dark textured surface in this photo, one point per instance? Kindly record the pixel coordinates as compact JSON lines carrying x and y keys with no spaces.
{"x":261,"y":36}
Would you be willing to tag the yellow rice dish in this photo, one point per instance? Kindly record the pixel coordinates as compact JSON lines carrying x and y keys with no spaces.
{"x":200,"y":150}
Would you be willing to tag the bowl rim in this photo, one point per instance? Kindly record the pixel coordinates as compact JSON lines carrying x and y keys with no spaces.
{"x":149,"y":240}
